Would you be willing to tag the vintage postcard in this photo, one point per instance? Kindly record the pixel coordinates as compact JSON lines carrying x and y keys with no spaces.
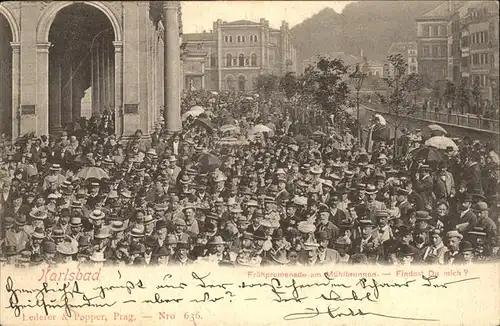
{"x":249,"y":163}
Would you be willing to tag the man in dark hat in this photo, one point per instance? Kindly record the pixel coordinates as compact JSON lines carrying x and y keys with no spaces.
{"x":324,"y":223}
{"x":467,"y":219}
{"x":444,"y":183}
{"x":181,"y":255}
{"x":326,"y":255}
{"x":368,"y":243}
{"x":434,"y":253}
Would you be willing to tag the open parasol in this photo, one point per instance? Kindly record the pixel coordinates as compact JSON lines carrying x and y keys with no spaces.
{"x":429,"y":154}
{"x":441,"y":142}
{"x":92,"y":172}
{"x":261,"y":128}
{"x":204,"y":123}
{"x":437,"y":128}
{"x":193,"y":112}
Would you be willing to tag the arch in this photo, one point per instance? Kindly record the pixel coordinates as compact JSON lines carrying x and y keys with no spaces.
{"x":229,"y":60}
{"x":253,"y":59}
{"x":242,"y":82}
{"x":230,"y":82}
{"x":14,"y":26}
{"x":241,"y":60}
{"x":45,"y":22}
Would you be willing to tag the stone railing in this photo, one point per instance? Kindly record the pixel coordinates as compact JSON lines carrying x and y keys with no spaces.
{"x":463,"y":120}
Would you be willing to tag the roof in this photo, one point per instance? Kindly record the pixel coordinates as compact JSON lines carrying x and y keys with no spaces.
{"x":194,"y":37}
{"x":400,"y":47}
{"x":441,"y":11}
{"x":242,"y":22}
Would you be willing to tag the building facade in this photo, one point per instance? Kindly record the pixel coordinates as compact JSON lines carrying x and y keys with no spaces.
{"x":61,"y":59}
{"x":233,"y":54}
{"x":472,"y":45}
{"x":479,"y":48}
{"x":432,"y":43}
{"x":409,"y":52}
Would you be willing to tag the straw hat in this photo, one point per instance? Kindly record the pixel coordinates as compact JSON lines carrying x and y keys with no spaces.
{"x":97,"y":256}
{"x":67,"y":248}
{"x":97,"y":215}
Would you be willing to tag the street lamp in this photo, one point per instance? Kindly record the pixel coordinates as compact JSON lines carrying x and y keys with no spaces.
{"x":357,"y":78}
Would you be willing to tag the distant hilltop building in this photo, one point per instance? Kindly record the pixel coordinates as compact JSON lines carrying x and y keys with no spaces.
{"x":369,"y":67}
{"x":233,"y":54}
{"x":409,"y":52}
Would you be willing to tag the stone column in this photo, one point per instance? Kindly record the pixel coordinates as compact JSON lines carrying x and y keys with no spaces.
{"x":55,"y":101}
{"x":15,"y":89}
{"x":97,"y":84}
{"x":118,"y":82}
{"x":67,"y":93}
{"x":42,"y":96}
{"x":172,"y":66}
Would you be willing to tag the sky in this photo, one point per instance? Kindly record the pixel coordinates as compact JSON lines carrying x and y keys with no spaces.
{"x":200,"y":15}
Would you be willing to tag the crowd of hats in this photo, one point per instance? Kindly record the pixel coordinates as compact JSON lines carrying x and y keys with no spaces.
{"x":279,"y":199}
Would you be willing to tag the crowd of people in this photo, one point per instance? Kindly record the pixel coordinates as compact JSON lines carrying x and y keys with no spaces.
{"x":239,"y":186}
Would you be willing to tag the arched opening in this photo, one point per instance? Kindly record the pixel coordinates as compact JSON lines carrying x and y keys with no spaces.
{"x":229,"y":60}
{"x":253,"y":60}
{"x":81,"y":65}
{"x":241,"y":83}
{"x":5,"y":77}
{"x":241,"y":60}
{"x":230,"y":83}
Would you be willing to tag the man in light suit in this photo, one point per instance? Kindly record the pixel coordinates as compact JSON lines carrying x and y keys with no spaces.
{"x":325,"y":254}
{"x":444,"y":184}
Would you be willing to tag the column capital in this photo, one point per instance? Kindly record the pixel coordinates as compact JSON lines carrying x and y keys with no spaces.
{"x":43,"y":47}
{"x":171,"y":5}
{"x":16,"y":46}
{"x":118,"y":46}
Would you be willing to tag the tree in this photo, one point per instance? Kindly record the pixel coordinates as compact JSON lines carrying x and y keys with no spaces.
{"x":462,"y":95}
{"x":476,"y":96}
{"x":449,"y":95}
{"x":289,"y":84}
{"x":326,"y":84}
{"x":401,"y":101}
{"x":266,"y":84}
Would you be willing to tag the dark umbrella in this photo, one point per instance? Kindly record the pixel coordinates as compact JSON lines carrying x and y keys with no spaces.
{"x":204,"y":123}
{"x":428,"y":153}
{"x":208,"y":163}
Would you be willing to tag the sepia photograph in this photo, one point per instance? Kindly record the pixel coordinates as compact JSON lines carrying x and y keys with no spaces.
{"x":232,"y":146}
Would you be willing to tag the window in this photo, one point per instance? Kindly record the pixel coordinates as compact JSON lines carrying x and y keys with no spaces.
{"x":413,"y":60}
{"x":435,"y":51}
{"x":213,"y":61}
{"x":253,"y":60}
{"x":241,"y":83}
{"x":230,"y":82}
{"x":255,"y":38}
{"x":229,"y":60}
{"x":226,"y":39}
{"x":251,"y":38}
{"x":443,"y":52}
{"x":243,"y":39}
{"x":424,"y":51}
{"x":435,"y":30}
{"x":230,"y":39}
{"x":425,"y":30}
{"x":239,"y":39}
{"x":475,"y":59}
{"x":241,"y":60}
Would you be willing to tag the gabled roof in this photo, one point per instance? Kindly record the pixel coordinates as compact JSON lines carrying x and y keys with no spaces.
{"x":401,"y":47}
{"x":242,"y":22}
{"x":198,"y":37}
{"x":441,"y":11}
